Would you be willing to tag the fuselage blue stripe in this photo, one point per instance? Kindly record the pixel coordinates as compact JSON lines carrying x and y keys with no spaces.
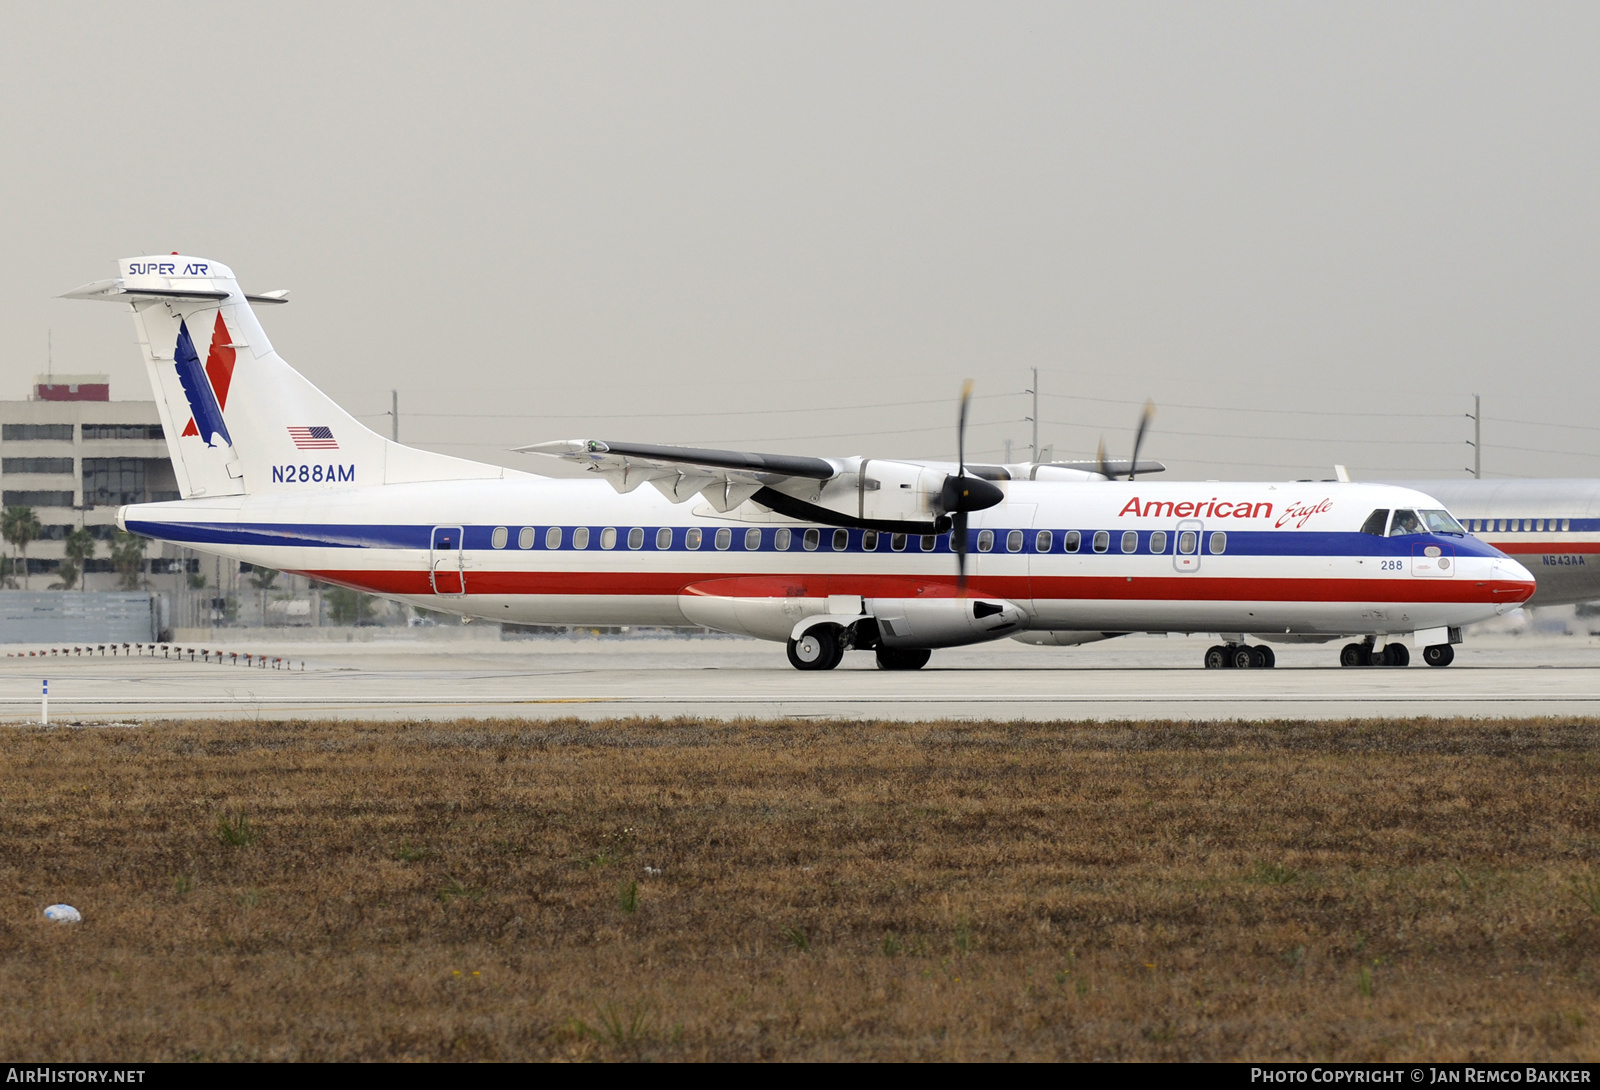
{"x":1300,"y":543}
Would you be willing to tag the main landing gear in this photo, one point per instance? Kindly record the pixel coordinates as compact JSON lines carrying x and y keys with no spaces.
{"x":1394,"y":654}
{"x":817,"y":648}
{"x":822,"y":648}
{"x":1239,"y":656}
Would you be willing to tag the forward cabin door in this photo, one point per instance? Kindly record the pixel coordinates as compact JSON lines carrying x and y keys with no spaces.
{"x":1186,"y":550}
{"x":444,"y":562}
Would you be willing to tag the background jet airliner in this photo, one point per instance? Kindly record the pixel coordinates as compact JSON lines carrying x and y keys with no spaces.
{"x":823,"y":554}
{"x":1551,"y":525}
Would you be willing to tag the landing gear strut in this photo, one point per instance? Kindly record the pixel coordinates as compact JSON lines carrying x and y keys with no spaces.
{"x":1239,"y":656}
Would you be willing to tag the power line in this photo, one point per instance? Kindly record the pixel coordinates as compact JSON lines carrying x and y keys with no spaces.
{"x":1270,"y":412}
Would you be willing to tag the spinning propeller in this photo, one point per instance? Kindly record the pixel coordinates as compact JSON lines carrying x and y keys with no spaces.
{"x":962,"y":493}
{"x":1138,"y":439}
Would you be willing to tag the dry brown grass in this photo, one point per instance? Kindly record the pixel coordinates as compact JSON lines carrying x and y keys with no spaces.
{"x":825,"y":891}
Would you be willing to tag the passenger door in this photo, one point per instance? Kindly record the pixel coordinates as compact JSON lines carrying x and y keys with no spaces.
{"x":445,"y":562}
{"x":1186,"y":550}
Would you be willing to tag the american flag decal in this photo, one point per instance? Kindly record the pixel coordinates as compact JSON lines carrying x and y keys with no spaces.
{"x":313,"y":438}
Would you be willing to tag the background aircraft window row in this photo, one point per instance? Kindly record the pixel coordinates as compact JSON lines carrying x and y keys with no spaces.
{"x":1510,"y":526}
{"x":782,"y":539}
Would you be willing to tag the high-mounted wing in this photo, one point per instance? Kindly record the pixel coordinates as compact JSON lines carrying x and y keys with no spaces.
{"x":834,"y":492}
{"x":725,"y":477}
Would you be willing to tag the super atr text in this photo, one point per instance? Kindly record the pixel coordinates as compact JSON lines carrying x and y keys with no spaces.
{"x":312,"y":474}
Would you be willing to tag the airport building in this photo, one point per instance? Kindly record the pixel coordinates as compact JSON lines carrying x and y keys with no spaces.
{"x":73,"y":456}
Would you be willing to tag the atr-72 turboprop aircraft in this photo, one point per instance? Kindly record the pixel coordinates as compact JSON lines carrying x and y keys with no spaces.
{"x":825,"y":554}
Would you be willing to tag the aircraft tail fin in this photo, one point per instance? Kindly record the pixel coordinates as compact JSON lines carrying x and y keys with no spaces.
{"x":237,"y":418}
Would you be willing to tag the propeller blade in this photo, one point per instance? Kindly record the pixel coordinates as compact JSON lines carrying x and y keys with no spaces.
{"x":1100,"y":457}
{"x":961,"y":429}
{"x":958,"y":538}
{"x":1138,"y":436}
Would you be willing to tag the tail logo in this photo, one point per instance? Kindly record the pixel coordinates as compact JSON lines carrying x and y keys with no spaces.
{"x":207,"y":391}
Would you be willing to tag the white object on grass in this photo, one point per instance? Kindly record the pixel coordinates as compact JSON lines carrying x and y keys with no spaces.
{"x":63,"y":914}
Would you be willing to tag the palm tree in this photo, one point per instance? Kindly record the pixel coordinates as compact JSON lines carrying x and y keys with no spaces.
{"x":68,"y":573}
{"x":80,"y":546}
{"x":127,"y":556}
{"x":20,"y":526}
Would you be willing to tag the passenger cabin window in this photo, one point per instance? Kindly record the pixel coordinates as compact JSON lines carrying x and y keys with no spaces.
{"x":552,"y":538}
{"x":1405,"y":522}
{"x":869,"y":540}
{"x":1539,"y":525}
{"x":781,"y":540}
{"x":692,"y":537}
{"x":1043,"y":540}
{"x":580,"y":538}
{"x":1102,"y":540}
{"x":1376,"y":522}
{"x":1130,"y":541}
{"x":636,"y":538}
{"x":928,"y":542}
{"x":664,"y":538}
{"x":1072,"y":542}
{"x":1219,"y":542}
{"x":724,"y":537}
{"x":752,"y":539}
{"x":985,"y":540}
{"x":525,"y":538}
{"x":812,"y":539}
{"x":1014,"y":541}
{"x":898,"y":543}
{"x":841,"y":540}
{"x":499,"y":538}
{"x":1188,"y":542}
{"x":1566,"y":524}
{"x":608,"y":538}
{"x":1158,"y":542}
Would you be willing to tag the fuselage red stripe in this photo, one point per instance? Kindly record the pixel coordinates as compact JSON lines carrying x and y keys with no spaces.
{"x":1550,"y":548}
{"x":1185,"y":588}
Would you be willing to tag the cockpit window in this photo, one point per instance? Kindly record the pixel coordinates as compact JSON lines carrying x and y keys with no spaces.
{"x":1376,"y":522}
{"x":1405,"y":522}
{"x":1441,"y":522}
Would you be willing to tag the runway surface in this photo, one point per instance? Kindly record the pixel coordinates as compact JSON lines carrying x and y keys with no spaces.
{"x":1130,"y":678}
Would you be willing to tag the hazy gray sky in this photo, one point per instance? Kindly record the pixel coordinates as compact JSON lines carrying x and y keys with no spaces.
{"x":799,"y":227}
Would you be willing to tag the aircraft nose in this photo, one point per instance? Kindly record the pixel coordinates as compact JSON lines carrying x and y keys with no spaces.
{"x":1513,"y":583}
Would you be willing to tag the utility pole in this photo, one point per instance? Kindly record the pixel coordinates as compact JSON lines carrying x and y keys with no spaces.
{"x":1476,"y":441}
{"x":1033,"y":448}
{"x":1008,"y":452}
{"x":394,"y":415}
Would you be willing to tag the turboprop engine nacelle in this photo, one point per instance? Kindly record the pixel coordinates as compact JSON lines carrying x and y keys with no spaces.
{"x":737,"y":605}
{"x":943,"y":622}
